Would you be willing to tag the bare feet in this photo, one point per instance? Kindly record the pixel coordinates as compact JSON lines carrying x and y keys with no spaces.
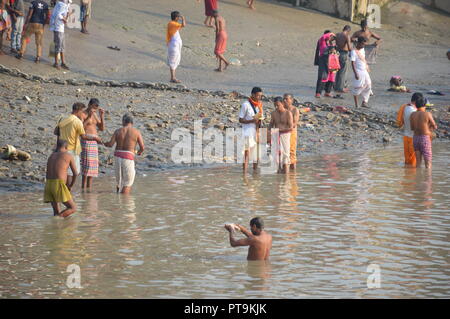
{"x":175,"y":81}
{"x":218,"y":70}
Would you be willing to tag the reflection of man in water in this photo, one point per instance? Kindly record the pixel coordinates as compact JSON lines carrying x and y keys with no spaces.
{"x":258,"y":239}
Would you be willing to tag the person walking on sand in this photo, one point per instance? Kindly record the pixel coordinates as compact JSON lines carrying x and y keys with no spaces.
{"x":422,"y":123}
{"x":174,"y":43}
{"x":249,"y":115}
{"x":37,"y":18}
{"x":221,"y":40}
{"x":210,"y":6}
{"x":344,"y":46}
{"x":58,"y":19}
{"x":282,"y":119}
{"x":71,"y":129}
{"x":85,"y":14}
{"x":56,"y":191}
{"x":361,"y":84}
{"x":258,"y":240}
{"x":403,"y":120}
{"x":126,"y":139}
{"x":17,"y":10}
{"x":89,"y":148}
{"x":288,"y":100}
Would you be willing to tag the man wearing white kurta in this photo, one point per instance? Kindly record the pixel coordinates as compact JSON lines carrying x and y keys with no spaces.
{"x":250,"y":123}
{"x":361,"y":84}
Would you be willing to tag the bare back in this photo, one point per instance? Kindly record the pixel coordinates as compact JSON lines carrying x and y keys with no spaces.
{"x":422,"y":123}
{"x":342,"y":41}
{"x":126,"y":139}
{"x":260,"y":246}
{"x":57,"y":165}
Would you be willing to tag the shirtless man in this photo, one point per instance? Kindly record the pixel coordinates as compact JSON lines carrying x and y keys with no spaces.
{"x":126,"y":138}
{"x":344,"y":46}
{"x":221,"y":40}
{"x":89,"y":148}
{"x":258,"y":239}
{"x":283,"y":120}
{"x":288,"y":99}
{"x":56,"y":191}
{"x":366,"y":33}
{"x":422,"y":123}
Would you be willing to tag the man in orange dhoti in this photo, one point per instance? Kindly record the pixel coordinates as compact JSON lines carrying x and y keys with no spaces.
{"x":403,"y":120}
{"x":221,"y":40}
{"x":288,"y":99}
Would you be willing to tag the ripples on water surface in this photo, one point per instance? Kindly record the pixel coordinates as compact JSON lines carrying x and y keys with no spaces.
{"x":329,"y":221}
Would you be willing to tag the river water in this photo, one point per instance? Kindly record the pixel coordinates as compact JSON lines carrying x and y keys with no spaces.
{"x":337,"y":223}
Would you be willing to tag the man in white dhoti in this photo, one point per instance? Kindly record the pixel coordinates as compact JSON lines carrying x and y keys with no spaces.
{"x":174,"y":43}
{"x":282,"y":120}
{"x":361,"y":84}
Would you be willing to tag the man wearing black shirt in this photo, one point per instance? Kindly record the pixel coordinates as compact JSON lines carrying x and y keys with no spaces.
{"x":38,"y":14}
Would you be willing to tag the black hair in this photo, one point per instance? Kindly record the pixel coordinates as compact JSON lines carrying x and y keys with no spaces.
{"x":258,"y":222}
{"x":415,"y":96}
{"x":288,"y":94}
{"x":347,"y":28}
{"x":256,"y":89}
{"x":94,"y":101}
{"x":420,"y":102}
{"x":363,"y":23}
{"x":174,"y":15}
{"x":78,"y":106}
{"x":61,"y":143}
{"x":278,"y":99}
{"x":326,"y":31}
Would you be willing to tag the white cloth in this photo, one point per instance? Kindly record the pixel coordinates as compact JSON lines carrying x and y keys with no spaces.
{"x":409,"y":109}
{"x":125,"y":172}
{"x":247,"y":114}
{"x":251,"y":146}
{"x":285,"y":148}
{"x":174,"y":51}
{"x":77,"y":163}
{"x":59,"y":12}
{"x":362,"y":86}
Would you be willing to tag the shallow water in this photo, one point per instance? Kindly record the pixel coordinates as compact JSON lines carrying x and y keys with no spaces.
{"x":332,"y":219}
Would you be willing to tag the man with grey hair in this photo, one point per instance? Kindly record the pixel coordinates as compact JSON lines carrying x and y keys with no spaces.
{"x":125,"y":139}
{"x":288,"y":100}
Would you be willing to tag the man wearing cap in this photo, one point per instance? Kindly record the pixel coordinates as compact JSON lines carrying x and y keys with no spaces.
{"x":89,"y":146}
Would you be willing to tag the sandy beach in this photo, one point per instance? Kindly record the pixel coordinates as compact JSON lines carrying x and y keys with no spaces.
{"x":276,"y":52}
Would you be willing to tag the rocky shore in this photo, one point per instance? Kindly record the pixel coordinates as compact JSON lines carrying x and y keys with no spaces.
{"x":31,"y":105}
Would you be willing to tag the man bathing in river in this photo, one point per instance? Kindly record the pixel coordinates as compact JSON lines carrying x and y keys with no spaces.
{"x":126,"y":138}
{"x":56,"y":191}
{"x":89,"y":148}
{"x":422,"y":123}
{"x":288,"y":99}
{"x":282,"y":119}
{"x":258,"y":240}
